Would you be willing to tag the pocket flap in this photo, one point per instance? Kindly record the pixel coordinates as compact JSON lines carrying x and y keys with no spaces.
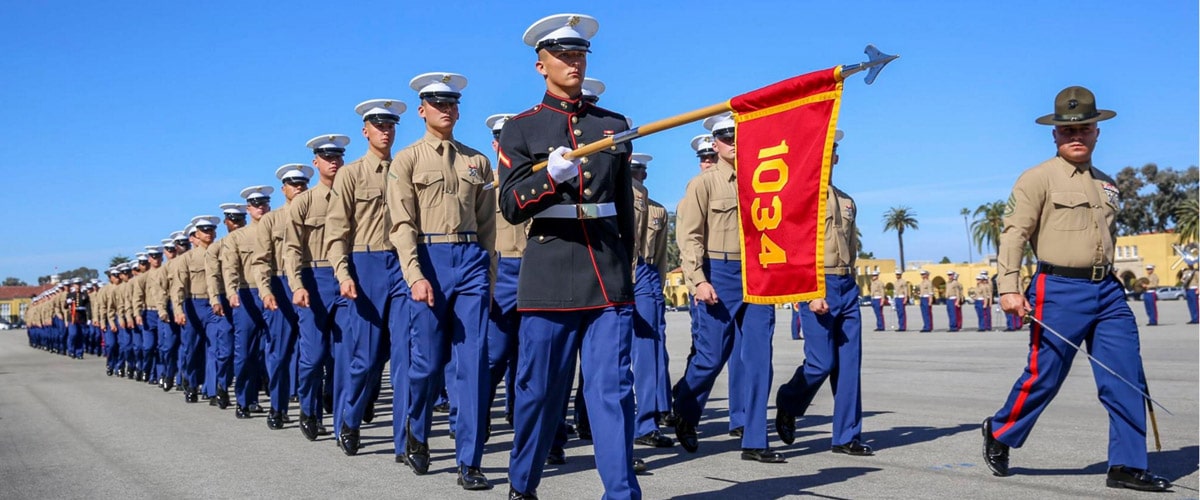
{"x":1068,"y":199}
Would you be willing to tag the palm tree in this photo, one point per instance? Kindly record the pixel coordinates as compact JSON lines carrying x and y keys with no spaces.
{"x":965,"y":212}
{"x":899,"y":219}
{"x":1186,"y":214}
{"x":117,"y":260}
{"x":989,"y":222}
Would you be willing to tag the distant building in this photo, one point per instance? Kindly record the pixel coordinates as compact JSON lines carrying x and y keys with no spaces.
{"x":15,"y":300}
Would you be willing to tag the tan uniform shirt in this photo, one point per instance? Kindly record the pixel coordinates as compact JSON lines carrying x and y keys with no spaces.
{"x":1065,"y":211}
{"x":154,"y":289}
{"x":189,"y":281}
{"x":983,"y":291}
{"x":137,"y":296}
{"x":304,"y":234}
{"x":236,"y":259}
{"x":876,"y":289}
{"x":212,"y":271}
{"x":925,"y":289}
{"x":707,"y":221}
{"x":510,"y":239}
{"x":655,"y":253}
{"x":358,"y":218}
{"x":170,"y":280}
{"x":841,"y":233}
{"x":1152,"y":282}
{"x":437,"y":188}
{"x":900,"y":289}
{"x":641,"y":208}
{"x":954,"y":291}
{"x":268,"y":249}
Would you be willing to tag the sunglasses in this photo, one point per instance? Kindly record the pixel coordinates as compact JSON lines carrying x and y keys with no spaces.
{"x":726,"y":138}
{"x":330,"y":156}
{"x":708,"y":158}
{"x":206,"y":229}
{"x":296,"y":182}
{"x":259,"y":202}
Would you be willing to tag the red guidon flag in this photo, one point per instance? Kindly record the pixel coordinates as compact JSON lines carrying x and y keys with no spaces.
{"x":784,"y":147}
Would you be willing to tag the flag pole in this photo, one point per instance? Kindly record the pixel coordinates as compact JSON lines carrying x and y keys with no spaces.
{"x":876,"y":60}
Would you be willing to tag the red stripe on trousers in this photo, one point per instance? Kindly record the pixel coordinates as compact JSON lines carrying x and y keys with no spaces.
{"x":1036,"y":330}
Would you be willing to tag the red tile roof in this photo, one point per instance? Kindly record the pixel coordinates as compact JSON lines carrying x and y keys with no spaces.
{"x":14,"y":292}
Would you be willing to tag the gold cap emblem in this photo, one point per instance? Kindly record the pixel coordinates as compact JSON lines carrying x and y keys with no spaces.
{"x":445,"y":78}
{"x":572,"y":21}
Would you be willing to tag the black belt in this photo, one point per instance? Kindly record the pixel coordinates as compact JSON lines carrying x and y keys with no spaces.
{"x":1094,"y":273}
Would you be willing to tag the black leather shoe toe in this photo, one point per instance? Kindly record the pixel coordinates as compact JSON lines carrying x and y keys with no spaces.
{"x":442,"y":408}
{"x":685,"y":432}
{"x":764,"y":455}
{"x":1135,"y":479}
{"x":995,"y":453}
{"x":471,"y":478}
{"x":256,"y":408}
{"x":639,"y":466}
{"x":369,"y":414}
{"x":737,"y":432}
{"x":785,"y":426}
{"x":308,"y":427}
{"x":241,"y":412}
{"x":655,"y":440}
{"x":516,"y":495}
{"x":222,"y":398}
{"x":416,"y":453}
{"x":854,"y":448}
{"x":348,"y":441}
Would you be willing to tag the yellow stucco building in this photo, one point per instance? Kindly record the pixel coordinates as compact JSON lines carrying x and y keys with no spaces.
{"x":1133,"y":254}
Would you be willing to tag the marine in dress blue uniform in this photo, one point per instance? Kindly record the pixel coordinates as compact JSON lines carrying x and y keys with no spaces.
{"x":900,"y":294}
{"x":443,"y":227}
{"x":832,"y":336}
{"x":1150,"y":296}
{"x":375,"y":320}
{"x":575,"y":290}
{"x":1065,"y":207}
{"x":925,"y":293}
{"x":314,"y":288}
{"x":237,"y":275}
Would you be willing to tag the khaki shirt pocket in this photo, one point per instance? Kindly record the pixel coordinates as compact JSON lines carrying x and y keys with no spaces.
{"x":314,"y":222}
{"x":429,"y":185}
{"x":1069,"y":211}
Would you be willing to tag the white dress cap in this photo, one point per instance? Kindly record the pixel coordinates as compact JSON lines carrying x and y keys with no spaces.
{"x":703,"y":145}
{"x":496,"y":122}
{"x":387,"y":110}
{"x":439,"y":86}
{"x":253,"y":192}
{"x":178,"y":235}
{"x":593,"y":88}
{"x":562,"y":32}
{"x":142,"y":256}
{"x":233,"y":208}
{"x":641,"y":159}
{"x":189,"y":230}
{"x":153,"y":249}
{"x":328,"y":143}
{"x":720,"y":124}
{"x":294,"y":171}
{"x":206,"y":220}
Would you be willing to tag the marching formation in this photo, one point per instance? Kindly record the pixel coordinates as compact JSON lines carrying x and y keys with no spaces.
{"x":458,"y":275}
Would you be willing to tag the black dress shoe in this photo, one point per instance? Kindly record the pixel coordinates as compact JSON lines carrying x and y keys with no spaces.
{"x":308,"y":426}
{"x":108,"y":372}
{"x":764,"y":455}
{"x":168,"y":384}
{"x":584,"y":432}
{"x":667,"y":419}
{"x":369,"y":414}
{"x":191,"y":397}
{"x":655,"y":439}
{"x":685,"y":433}
{"x":471,"y":478}
{"x":256,"y":408}
{"x":283,"y":417}
{"x":321,"y":430}
{"x":294,"y":399}
{"x":120,"y":372}
{"x":569,"y":428}
{"x":211,"y":401}
{"x":556,"y":456}
{"x":1135,"y":479}
{"x":222,"y":398}
{"x":348,"y":441}
{"x":416,"y":452}
{"x":516,"y":495}
{"x":785,"y":425}
{"x":442,"y":408}
{"x":639,"y":466}
{"x":854,"y":448}
{"x":274,"y":420}
{"x":737,"y":432}
{"x":995,"y":453}
{"x":241,"y":412}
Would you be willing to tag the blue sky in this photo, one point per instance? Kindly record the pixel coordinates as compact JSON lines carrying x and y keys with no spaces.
{"x":124,"y":119}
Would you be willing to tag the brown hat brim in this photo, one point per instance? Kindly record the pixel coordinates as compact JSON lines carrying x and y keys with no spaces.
{"x":1051,"y":119}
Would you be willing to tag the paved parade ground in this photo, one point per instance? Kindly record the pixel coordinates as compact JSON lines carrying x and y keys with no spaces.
{"x":68,"y":431}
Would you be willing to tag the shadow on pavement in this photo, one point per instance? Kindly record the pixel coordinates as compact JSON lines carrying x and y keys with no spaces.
{"x":779,"y":487}
{"x":1171,"y":464}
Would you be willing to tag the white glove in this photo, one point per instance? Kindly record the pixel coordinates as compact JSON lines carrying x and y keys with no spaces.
{"x":562,"y":169}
